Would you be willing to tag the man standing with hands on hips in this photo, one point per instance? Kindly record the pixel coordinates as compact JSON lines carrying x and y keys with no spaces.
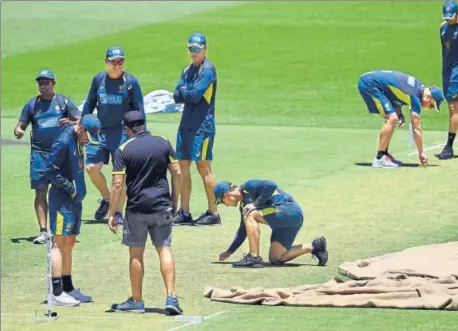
{"x":196,"y":132}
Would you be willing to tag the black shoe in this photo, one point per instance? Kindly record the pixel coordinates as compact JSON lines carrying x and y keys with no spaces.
{"x":249,"y":261}
{"x":446,"y":154}
{"x":182,"y":218}
{"x":319,"y":250}
{"x":102,"y":211}
{"x":207,"y":219}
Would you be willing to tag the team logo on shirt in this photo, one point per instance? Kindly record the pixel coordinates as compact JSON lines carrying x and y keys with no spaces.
{"x":57,"y":108}
{"x":121,"y":88}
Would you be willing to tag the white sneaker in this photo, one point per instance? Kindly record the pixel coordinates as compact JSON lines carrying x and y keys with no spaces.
{"x":384,"y":162}
{"x":77,"y":295}
{"x":64,"y":300}
{"x":41,"y":239}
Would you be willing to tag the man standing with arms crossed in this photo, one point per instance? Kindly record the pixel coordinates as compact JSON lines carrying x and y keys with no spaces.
{"x":65,"y":170}
{"x":142,"y":162}
{"x":114,"y":93}
{"x":449,"y":42}
{"x":196,"y":133}
{"x":47,"y":112}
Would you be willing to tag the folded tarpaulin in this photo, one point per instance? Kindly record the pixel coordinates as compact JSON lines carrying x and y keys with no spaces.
{"x":402,"y":288}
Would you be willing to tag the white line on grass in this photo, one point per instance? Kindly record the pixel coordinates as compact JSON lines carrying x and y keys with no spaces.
{"x":113,"y":316}
{"x":429,"y":148}
{"x":191,"y":323}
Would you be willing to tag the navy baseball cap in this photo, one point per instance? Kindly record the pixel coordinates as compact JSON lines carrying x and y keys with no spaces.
{"x":220,"y":189}
{"x":91,"y":123}
{"x":114,"y":52}
{"x":449,"y":10}
{"x":197,"y":39}
{"x":45,"y":74}
{"x":134,"y":118}
{"x":437,"y":95}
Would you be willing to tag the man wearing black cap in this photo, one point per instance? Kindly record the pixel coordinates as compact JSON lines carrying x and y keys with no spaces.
{"x":114,"y":93}
{"x":47,"y":112}
{"x":65,"y":170}
{"x":196,"y":133}
{"x":142,"y":162}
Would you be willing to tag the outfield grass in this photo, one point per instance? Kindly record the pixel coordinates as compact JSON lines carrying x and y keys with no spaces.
{"x":287,"y":110}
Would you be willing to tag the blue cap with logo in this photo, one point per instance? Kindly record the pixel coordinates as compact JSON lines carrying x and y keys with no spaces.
{"x":91,"y":123}
{"x":449,"y":10}
{"x":114,"y":52}
{"x":45,"y":74}
{"x":437,"y":95}
{"x":197,"y":39}
{"x":220,"y":189}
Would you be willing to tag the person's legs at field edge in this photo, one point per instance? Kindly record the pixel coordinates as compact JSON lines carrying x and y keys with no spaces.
{"x":41,"y":211}
{"x":452,"y":100}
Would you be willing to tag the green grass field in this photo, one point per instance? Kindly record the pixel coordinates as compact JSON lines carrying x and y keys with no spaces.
{"x":288,"y":110}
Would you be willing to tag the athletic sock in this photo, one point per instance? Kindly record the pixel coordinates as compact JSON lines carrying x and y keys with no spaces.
{"x":57,"y":288}
{"x":380,"y":154}
{"x":67,"y":283}
{"x":451,"y":139}
{"x":43,"y":230}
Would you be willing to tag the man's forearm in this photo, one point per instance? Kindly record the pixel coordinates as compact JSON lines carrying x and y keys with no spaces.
{"x":115,"y":195}
{"x":417,"y":135}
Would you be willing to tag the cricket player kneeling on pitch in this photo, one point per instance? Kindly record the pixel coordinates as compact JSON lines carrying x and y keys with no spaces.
{"x":385,"y":92}
{"x":262,"y":202}
{"x":65,"y":171}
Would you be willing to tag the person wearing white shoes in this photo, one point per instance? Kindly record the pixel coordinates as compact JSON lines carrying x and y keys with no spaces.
{"x":385,"y":92}
{"x":65,"y":171}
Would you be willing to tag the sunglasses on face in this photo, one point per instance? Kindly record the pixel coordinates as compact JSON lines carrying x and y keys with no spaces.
{"x":195,"y":49}
{"x":116,"y":62}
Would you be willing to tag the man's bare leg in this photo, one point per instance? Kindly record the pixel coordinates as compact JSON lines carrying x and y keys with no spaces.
{"x":167,"y":269}
{"x":279,"y":254}
{"x":205,"y":171}
{"x":186,"y":185}
{"x":98,"y":179}
{"x":41,"y":211}
{"x":137,"y":271}
{"x":447,"y":152}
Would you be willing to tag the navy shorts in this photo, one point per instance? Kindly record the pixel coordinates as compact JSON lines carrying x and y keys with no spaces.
{"x":64,"y":214}
{"x":450,"y":86}
{"x":194,"y":146}
{"x":285,"y":220}
{"x":99,"y":149}
{"x":38,"y":163}
{"x":376,"y":101}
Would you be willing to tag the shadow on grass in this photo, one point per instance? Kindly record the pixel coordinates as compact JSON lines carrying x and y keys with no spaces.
{"x":404,"y":165}
{"x":268,"y":265}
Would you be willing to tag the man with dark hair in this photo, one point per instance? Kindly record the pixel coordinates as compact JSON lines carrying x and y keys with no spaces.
{"x":47,"y":113}
{"x":142,"y":162}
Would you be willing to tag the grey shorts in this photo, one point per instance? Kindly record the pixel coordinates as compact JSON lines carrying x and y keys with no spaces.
{"x":137,"y":226}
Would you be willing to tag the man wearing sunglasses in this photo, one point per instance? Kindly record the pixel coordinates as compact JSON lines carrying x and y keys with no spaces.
{"x":385,"y":92}
{"x":114,"y":93}
{"x":47,"y":112}
{"x":196,"y":132}
{"x":449,"y":42}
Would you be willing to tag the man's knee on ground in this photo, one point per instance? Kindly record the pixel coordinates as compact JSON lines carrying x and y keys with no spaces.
{"x":204,"y":168}
{"x":94,"y":168}
{"x":275,"y":261}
